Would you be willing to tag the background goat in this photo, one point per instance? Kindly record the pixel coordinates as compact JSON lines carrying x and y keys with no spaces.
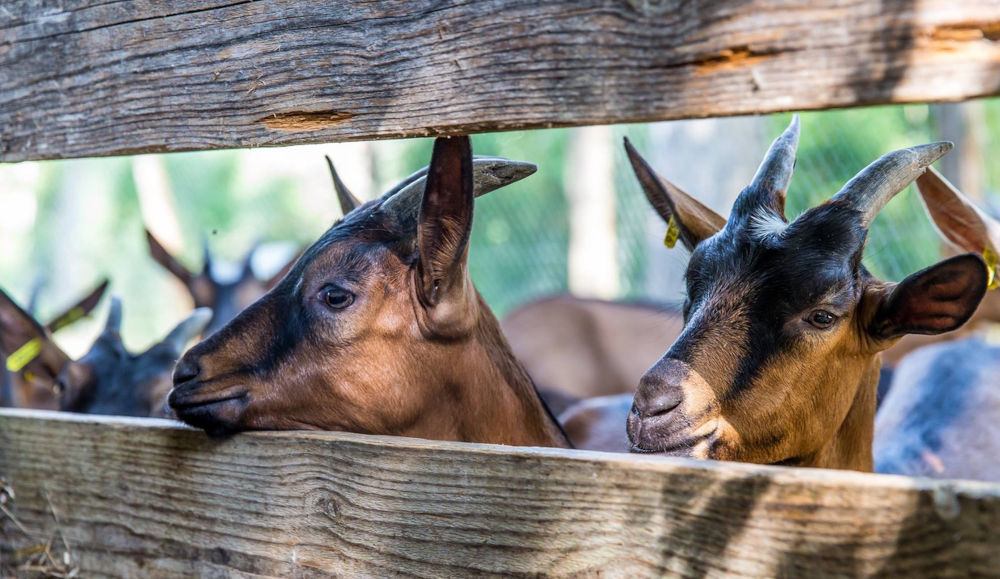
{"x":941,"y":417}
{"x":109,"y":379}
{"x":29,"y":376}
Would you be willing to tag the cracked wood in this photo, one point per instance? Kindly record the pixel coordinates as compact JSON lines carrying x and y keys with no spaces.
{"x":100,"y":77}
{"x":148,"y":498}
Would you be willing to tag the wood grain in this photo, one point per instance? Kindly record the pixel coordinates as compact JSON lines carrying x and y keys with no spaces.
{"x":105,"y":77}
{"x":147,"y":498}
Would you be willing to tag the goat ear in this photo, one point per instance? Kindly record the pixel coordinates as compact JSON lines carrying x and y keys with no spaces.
{"x":25,"y":343}
{"x":956,"y":216}
{"x":17,"y":327}
{"x":694,"y":221}
{"x":934,"y":300}
{"x":163,"y":257}
{"x":443,"y":228}
{"x":78,"y":310}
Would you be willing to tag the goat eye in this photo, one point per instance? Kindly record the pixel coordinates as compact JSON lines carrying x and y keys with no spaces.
{"x":337,"y":298}
{"x":821,"y":319}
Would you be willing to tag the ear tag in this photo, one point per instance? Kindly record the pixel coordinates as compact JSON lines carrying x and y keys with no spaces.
{"x":673,"y":231}
{"x":24,"y":355}
{"x":991,"y":264}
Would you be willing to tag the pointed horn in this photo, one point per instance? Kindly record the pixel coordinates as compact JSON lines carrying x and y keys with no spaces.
{"x":876,"y":184}
{"x":114,"y":323}
{"x":770,"y":184}
{"x":347,"y":199}
{"x":488,"y":174}
{"x":190,"y":328}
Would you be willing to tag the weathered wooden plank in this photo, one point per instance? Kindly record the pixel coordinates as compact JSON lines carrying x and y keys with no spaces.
{"x":148,"y":498}
{"x":103,"y":77}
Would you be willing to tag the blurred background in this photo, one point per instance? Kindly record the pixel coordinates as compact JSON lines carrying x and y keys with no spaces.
{"x":580,"y":225}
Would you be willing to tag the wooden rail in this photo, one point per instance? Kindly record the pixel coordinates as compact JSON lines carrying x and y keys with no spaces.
{"x":99,"y":77}
{"x":148,"y":498}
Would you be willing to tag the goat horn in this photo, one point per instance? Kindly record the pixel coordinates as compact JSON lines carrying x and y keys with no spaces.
{"x":876,"y":184}
{"x":188,"y":329}
{"x":488,"y":174}
{"x":768,"y":187}
{"x":347,"y":199}
{"x":114,"y":323}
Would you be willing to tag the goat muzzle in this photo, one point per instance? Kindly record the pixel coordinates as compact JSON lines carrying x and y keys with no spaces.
{"x":216,"y":408}
{"x":661,"y":420}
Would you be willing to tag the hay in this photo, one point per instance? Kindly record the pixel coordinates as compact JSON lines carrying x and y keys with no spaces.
{"x":39,"y":560}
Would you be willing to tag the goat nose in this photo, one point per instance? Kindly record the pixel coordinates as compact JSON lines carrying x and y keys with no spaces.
{"x":660,"y":390}
{"x":186,"y":369}
{"x":655,"y":399}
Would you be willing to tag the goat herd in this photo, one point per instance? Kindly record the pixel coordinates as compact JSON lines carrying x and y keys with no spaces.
{"x":774,"y":358}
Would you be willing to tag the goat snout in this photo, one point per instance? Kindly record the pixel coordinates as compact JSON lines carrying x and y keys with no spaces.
{"x":186,"y":370}
{"x":217,"y":406}
{"x":659,"y":420}
{"x":655,"y":399}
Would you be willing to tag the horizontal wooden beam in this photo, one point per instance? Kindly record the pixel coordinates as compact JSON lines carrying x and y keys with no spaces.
{"x":148,"y":498}
{"x":100,"y":77}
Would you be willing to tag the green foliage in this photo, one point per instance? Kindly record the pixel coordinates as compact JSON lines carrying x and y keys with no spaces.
{"x":834,"y":146}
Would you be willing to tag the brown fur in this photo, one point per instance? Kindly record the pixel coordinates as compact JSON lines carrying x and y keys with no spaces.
{"x":597,"y":423}
{"x":587,"y":347}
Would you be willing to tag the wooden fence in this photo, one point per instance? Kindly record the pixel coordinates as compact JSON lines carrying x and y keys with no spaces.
{"x":145,"y":498}
{"x":97,"y":77}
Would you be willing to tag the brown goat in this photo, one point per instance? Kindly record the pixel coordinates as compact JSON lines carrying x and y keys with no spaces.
{"x":377,"y":329}
{"x":780,"y":353}
{"x":35,"y":360}
{"x":941,"y":417}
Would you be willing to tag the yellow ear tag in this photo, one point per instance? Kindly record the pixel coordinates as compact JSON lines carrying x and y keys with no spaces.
{"x":24,"y":355}
{"x":672,"y":232}
{"x":991,"y":265}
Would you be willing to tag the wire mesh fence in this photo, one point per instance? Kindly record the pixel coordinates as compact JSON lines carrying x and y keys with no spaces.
{"x":68,"y":223}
